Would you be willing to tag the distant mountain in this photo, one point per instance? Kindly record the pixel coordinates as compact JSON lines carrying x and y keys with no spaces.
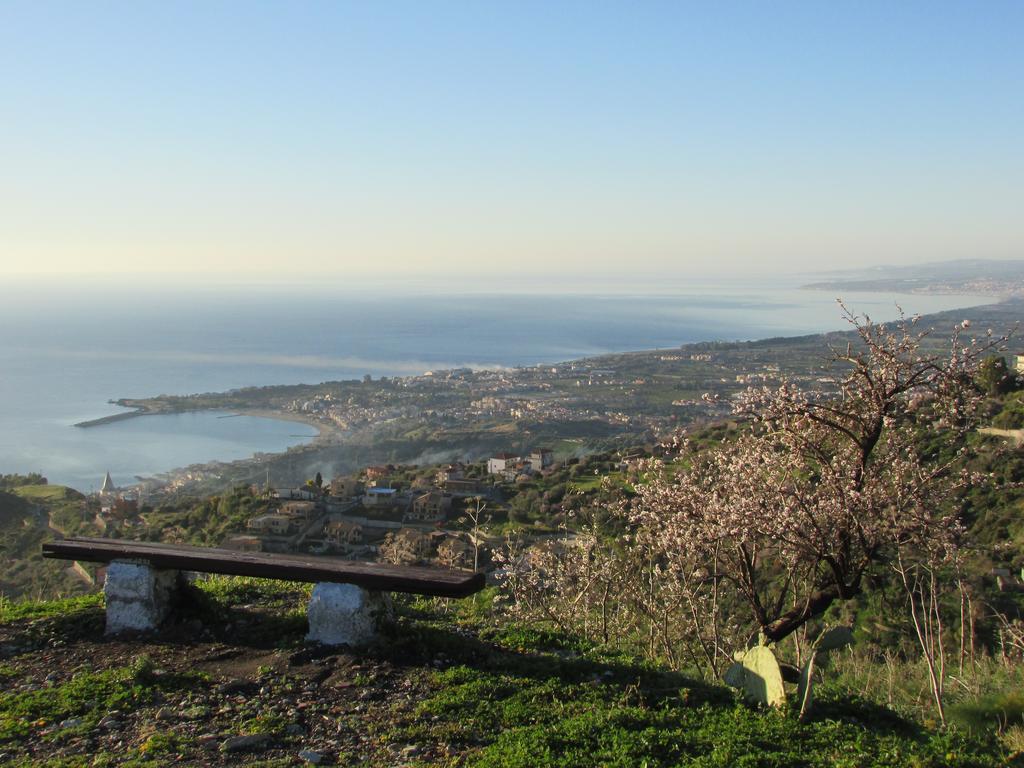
{"x":982,"y":276}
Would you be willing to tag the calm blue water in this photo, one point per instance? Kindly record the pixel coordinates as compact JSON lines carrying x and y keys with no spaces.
{"x":65,"y":350}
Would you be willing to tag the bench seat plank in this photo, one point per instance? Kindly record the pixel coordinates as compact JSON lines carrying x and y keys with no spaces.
{"x":381,"y":577}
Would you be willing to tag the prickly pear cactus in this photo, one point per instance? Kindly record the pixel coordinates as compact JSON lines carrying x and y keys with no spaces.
{"x":837,"y":637}
{"x":757,"y":673}
{"x":831,"y":640}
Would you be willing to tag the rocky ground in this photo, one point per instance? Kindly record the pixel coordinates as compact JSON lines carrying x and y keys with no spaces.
{"x":230,"y":681}
{"x":223,"y":685}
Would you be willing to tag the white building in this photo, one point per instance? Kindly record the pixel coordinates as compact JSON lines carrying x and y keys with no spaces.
{"x":500,"y":462}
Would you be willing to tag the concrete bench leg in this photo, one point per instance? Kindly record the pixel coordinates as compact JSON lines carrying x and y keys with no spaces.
{"x":138,"y":597}
{"x":344,"y":614}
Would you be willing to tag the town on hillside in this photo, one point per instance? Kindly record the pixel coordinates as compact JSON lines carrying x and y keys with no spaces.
{"x":400,"y":514}
{"x":598,"y":404}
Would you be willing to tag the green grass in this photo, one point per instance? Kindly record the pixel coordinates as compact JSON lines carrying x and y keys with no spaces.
{"x":585,"y":483}
{"x":536,"y":722}
{"x":511,"y":696}
{"x":46,"y":492}
{"x":86,"y":696}
{"x":540,"y":699}
{"x":38,"y":609}
{"x":159,"y":747}
{"x":707,"y":736}
{"x":244,"y":589}
{"x":984,"y":714}
{"x":270,"y":724}
{"x":265,"y":612}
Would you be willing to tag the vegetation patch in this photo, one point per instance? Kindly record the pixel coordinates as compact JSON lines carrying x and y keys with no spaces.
{"x":84,"y":699}
{"x":47,"y":493}
{"x":631,"y":716}
{"x":38,"y":609}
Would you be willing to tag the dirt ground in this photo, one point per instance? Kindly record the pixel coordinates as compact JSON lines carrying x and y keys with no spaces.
{"x":239,"y":688}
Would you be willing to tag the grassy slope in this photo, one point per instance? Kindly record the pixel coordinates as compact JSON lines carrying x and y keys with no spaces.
{"x":23,"y":530}
{"x":443,"y":687}
{"x":47,"y":493}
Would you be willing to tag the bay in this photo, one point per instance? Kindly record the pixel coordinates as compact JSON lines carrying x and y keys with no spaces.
{"x":67,"y":348}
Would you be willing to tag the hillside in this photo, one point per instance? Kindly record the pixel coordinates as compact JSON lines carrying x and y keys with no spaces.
{"x":608,"y":640}
{"x":600,"y":403}
{"x":231,"y":683}
{"x":28,"y":514}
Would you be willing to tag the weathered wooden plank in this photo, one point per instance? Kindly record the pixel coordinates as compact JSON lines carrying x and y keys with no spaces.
{"x":376,"y":576}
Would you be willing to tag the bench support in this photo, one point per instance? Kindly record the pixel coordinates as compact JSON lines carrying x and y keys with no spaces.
{"x":138,"y":597}
{"x":344,"y":614}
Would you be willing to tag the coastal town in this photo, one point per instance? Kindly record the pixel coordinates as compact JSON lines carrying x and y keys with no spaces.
{"x":438,"y":468}
{"x":598,"y":404}
{"x":465,"y":415}
{"x":397,"y":514}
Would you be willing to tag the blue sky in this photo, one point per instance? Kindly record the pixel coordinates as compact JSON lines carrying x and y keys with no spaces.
{"x":400,"y":138}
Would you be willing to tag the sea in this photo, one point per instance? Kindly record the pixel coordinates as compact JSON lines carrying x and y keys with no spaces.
{"x":68,"y":347}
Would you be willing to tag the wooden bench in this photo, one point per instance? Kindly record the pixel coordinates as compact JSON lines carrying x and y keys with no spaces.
{"x":347,"y":604}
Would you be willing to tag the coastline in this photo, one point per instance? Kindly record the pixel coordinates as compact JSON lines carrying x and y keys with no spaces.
{"x":324,"y":433}
{"x":114,"y":417}
{"x":329,"y":434}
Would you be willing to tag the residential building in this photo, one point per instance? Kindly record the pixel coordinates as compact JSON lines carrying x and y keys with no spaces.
{"x":299,"y":494}
{"x":500,"y":462}
{"x":430,"y":507}
{"x":518,"y":469}
{"x":412,"y":544}
{"x":345,"y":487}
{"x":541,"y":458}
{"x":279,"y":525}
{"x":449,"y":473}
{"x":380,"y":497}
{"x":299,"y":510}
{"x":380,"y":471}
{"x":344,"y":532}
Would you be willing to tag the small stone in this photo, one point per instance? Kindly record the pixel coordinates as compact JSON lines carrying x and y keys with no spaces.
{"x":166,"y":714}
{"x":109,"y":722}
{"x":71,"y":722}
{"x":310,"y":756}
{"x":240,"y":685}
{"x":245,"y":743}
{"x":294,"y":729}
{"x":207,"y":741}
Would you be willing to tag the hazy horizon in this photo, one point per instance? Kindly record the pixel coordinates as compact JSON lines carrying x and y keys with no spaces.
{"x":344,"y":140}
{"x":635,"y":279}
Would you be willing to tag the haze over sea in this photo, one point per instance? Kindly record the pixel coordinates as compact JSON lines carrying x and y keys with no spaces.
{"x":68,"y":349}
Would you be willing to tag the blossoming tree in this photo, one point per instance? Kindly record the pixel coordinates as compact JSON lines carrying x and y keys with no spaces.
{"x":796,"y":511}
{"x":765,"y":532}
